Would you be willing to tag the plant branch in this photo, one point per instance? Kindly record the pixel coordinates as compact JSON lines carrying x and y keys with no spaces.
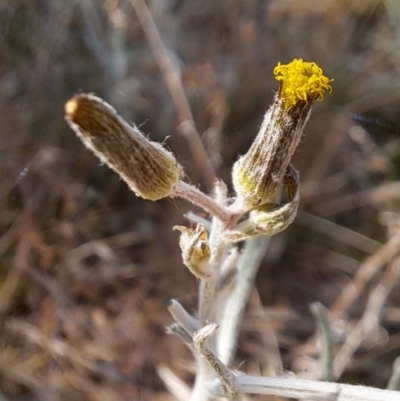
{"x":228,"y":379}
{"x":186,"y":321}
{"x":369,"y":320}
{"x":198,"y":198}
{"x":234,"y":308}
{"x":365,"y":272}
{"x":307,"y":389}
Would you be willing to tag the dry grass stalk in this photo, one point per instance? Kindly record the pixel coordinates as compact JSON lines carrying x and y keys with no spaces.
{"x":172,"y":79}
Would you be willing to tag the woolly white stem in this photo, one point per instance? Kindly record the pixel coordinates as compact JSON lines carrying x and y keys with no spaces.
{"x":198,"y":198}
{"x":234,"y":308}
{"x":307,"y":389}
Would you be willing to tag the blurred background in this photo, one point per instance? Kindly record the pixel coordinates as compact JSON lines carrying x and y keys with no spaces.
{"x":87,"y":269}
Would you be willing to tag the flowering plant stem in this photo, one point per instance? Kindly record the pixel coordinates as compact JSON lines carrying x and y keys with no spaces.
{"x":209,"y":250}
{"x":307,"y":389}
{"x":232,"y":315}
{"x":199,"y":198}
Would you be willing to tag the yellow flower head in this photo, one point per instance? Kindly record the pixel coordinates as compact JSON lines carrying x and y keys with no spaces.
{"x":301,"y":81}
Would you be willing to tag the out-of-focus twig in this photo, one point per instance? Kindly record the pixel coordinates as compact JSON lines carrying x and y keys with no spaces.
{"x":394,"y":381}
{"x":370,"y":319}
{"x":173,"y":82}
{"x":370,"y":267}
{"x":270,"y":342}
{"x":381,"y":194}
{"x":11,"y":235}
{"x":375,"y":158}
{"x":324,"y":156}
{"x":108,"y":52}
{"x":325,"y":337}
{"x":175,"y":385}
{"x":13,"y":279}
{"x":337,"y":232}
{"x":59,"y":349}
{"x":218,"y":109}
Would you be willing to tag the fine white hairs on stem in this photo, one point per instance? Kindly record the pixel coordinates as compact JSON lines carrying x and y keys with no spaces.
{"x":228,"y":379}
{"x":306,"y":389}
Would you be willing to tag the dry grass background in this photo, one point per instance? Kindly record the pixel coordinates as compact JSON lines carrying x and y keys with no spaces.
{"x":87,"y":269}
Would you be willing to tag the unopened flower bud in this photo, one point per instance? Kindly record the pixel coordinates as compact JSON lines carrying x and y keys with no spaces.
{"x":150,"y":171}
{"x":195,"y":250}
{"x":258,"y":174}
{"x":270,"y":218}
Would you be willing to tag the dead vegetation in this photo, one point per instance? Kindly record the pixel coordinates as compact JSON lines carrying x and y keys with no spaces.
{"x":87,"y":269}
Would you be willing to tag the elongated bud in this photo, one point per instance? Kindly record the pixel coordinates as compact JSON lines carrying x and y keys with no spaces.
{"x":150,"y":171}
{"x":258,"y":174}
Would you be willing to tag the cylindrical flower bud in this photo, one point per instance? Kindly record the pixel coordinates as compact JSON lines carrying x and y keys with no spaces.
{"x":150,"y":171}
{"x":258,"y":174}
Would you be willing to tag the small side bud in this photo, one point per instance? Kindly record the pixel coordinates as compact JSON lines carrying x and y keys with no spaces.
{"x":258,"y":174}
{"x":150,"y":171}
{"x":195,"y":250}
{"x":271,"y":218}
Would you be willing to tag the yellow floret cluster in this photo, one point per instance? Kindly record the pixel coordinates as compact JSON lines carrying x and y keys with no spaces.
{"x":301,"y":81}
